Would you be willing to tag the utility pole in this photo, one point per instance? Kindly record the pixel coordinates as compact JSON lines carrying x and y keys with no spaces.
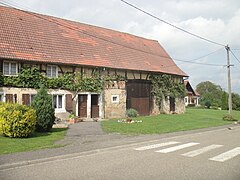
{"x":229,"y":82}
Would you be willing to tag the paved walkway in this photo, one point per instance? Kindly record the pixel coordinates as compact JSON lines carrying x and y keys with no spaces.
{"x":83,"y":136}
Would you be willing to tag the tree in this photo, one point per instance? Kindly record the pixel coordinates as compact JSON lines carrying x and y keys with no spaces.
{"x":42,"y":103}
{"x":210,"y":92}
{"x":224,"y":105}
{"x":236,"y":101}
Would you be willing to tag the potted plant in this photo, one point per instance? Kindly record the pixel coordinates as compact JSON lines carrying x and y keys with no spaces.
{"x":71,"y":118}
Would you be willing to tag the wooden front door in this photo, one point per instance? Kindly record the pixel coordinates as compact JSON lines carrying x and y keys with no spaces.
{"x":94,"y":106}
{"x":82,"y":105}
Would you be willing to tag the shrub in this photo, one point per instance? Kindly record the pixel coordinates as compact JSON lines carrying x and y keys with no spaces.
{"x":132,"y":113}
{"x":17,"y":120}
{"x":42,"y":103}
{"x":208,"y":104}
{"x":228,"y":117}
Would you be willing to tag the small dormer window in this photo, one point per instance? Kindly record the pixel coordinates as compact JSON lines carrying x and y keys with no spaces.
{"x":10,"y":68}
{"x":52,"y":71}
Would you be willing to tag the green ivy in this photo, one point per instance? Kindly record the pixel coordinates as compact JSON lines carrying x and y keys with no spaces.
{"x":90,"y":84}
{"x":32,"y":78}
{"x":163,"y":85}
{"x":1,"y":79}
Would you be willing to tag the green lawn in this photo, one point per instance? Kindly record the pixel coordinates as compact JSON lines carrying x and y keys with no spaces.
{"x":37,"y":141}
{"x":192,"y":119}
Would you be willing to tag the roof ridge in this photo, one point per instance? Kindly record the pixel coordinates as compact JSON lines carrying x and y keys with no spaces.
{"x":69,"y":20}
{"x":58,"y":40}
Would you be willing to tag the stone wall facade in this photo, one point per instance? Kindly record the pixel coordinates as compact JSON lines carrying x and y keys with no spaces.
{"x":115,"y":100}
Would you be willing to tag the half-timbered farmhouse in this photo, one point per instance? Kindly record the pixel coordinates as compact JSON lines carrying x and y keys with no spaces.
{"x":192,"y":97}
{"x":123,"y":62}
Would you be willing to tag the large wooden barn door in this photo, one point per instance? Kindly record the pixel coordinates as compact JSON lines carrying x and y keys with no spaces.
{"x":139,"y":96}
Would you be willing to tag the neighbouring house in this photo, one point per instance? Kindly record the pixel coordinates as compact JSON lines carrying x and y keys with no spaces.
{"x":192,"y":96}
{"x":122,"y":62}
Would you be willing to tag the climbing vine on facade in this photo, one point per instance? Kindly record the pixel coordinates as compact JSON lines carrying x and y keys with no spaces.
{"x":32,"y":78}
{"x":163,"y":85}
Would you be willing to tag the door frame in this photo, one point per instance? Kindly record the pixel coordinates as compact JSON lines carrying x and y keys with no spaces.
{"x":78,"y":106}
{"x":89,"y":106}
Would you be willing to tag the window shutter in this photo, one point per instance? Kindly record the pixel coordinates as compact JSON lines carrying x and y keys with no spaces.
{"x":69,"y":102}
{"x":26,"y":99}
{"x":9,"y":98}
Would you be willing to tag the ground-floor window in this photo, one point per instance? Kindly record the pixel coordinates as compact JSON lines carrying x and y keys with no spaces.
{"x":58,"y":101}
{"x":27,"y":99}
{"x":1,"y":97}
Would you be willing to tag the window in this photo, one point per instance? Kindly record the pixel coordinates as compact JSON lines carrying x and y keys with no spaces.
{"x":58,"y":101}
{"x":52,"y":71}
{"x":32,"y":96}
{"x":115,"y":98}
{"x":1,"y":97}
{"x":9,"y":68}
{"x":27,"y":99}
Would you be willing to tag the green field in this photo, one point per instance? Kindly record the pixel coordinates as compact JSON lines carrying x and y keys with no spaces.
{"x":192,"y":119}
{"x":37,"y":141}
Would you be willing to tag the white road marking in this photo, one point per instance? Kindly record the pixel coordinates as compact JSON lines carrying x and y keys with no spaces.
{"x":175,"y":148}
{"x":227,"y":155}
{"x":156,"y":146}
{"x":202,"y":150}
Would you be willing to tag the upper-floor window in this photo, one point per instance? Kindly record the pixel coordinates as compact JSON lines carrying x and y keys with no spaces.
{"x":10,"y":68}
{"x":52,"y":71}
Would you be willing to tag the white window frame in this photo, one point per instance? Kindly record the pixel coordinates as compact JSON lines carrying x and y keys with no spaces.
{"x":10,"y":68}
{"x":51,"y":74}
{"x":57,"y":109}
{"x":31,"y":98}
{"x":115,"y":98}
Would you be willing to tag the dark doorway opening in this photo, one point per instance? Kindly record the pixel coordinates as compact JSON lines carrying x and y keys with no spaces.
{"x":172,"y":104}
{"x":94,"y":106}
{"x":82,"y":105}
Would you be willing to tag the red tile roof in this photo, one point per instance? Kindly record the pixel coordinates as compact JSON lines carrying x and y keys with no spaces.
{"x":35,"y":37}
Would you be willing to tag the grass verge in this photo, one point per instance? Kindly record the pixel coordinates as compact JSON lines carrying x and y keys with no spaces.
{"x":37,"y":141}
{"x":192,"y":119}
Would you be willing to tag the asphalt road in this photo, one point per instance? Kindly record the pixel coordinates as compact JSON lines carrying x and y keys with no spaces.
{"x":204,"y":155}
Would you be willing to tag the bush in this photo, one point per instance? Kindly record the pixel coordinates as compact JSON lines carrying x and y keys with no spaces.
{"x":17,"y":120}
{"x":229,"y":117}
{"x":42,"y":103}
{"x":208,"y":104}
{"x":132,"y":113}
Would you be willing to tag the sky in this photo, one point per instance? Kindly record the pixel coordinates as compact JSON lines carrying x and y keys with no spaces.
{"x":216,"y":20}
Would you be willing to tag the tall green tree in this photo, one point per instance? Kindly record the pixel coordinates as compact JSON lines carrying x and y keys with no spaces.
{"x":42,"y":103}
{"x":236,"y":101}
{"x":210,"y":92}
{"x":224,"y":105}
